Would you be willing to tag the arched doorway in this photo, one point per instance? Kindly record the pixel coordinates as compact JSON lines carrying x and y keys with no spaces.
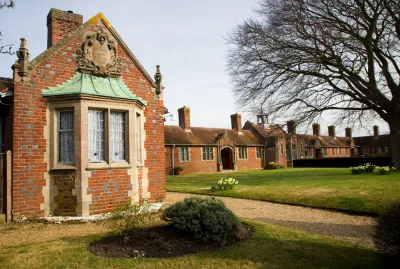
{"x":227,"y":158}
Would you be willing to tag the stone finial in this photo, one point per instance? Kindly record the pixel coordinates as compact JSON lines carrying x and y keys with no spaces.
{"x":158,"y":79}
{"x":22,"y":64}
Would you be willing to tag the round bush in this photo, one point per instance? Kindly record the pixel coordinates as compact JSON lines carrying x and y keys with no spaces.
{"x":206,"y":218}
{"x":387,"y":235}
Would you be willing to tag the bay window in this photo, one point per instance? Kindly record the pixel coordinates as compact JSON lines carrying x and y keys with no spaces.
{"x":96,"y":139}
{"x":66,"y":137}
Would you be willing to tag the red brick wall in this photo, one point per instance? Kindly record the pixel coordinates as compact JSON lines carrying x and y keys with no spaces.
{"x":197,"y":165}
{"x":109,"y":189}
{"x":29,"y":147}
{"x":251,"y":162}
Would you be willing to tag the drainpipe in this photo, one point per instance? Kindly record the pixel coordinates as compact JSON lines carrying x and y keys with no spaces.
{"x":172,"y":159}
{"x":265,"y":154}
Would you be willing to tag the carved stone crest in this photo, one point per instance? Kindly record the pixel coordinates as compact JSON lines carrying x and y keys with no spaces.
{"x":98,"y":56}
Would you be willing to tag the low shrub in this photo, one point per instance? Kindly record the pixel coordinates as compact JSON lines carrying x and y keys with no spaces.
{"x":387,"y":236}
{"x":224,"y":184}
{"x":384,"y":170}
{"x":126,"y":218}
{"x":273,"y":165}
{"x":366,"y":168}
{"x":206,"y":218}
{"x":178,"y":170}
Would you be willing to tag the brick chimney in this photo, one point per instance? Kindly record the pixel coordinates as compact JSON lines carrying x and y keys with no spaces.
{"x":291,"y":127}
{"x":331,"y":131}
{"x":316,"y":129}
{"x":376,"y":130}
{"x":60,"y":23}
{"x":349,"y":133}
{"x":236,"y":122}
{"x":184,"y":117}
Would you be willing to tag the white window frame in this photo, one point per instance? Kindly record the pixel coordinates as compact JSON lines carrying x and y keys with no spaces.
{"x":340,"y":151}
{"x":242,"y":153}
{"x":325,"y":152}
{"x":259,"y":152}
{"x":333,"y":151}
{"x":59,"y":132}
{"x":185,"y":154}
{"x":294,"y":152}
{"x":207,"y":154}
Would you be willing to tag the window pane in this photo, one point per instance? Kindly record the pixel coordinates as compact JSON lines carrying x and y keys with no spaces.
{"x":96,"y":136}
{"x":117,"y":136}
{"x":66,"y":137}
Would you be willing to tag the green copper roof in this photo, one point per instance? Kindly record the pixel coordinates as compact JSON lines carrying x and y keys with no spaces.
{"x":93,"y":85}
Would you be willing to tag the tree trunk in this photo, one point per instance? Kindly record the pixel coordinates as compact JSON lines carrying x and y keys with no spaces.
{"x":395,"y":141}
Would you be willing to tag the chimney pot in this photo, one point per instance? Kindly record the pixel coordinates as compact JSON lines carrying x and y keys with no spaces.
{"x":291,"y":126}
{"x":236,"y":122}
{"x":376,"y":130}
{"x":331,"y":131}
{"x":184,"y":117}
{"x":349,"y":132}
{"x":316,"y":129}
{"x":60,"y":23}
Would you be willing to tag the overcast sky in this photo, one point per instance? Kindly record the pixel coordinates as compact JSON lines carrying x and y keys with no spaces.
{"x":185,"y":37}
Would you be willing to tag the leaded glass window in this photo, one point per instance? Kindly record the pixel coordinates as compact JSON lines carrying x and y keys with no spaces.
{"x":117,"y":136}
{"x":66,"y":137}
{"x":96,"y":126}
{"x":184,"y":154}
{"x":242,"y":152}
{"x":208,"y":154}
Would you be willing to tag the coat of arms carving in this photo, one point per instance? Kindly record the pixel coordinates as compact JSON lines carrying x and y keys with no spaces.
{"x":98,"y":56}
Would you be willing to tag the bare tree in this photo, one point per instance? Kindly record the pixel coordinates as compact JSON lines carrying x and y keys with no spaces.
{"x":302,"y":58}
{"x":6,"y":49}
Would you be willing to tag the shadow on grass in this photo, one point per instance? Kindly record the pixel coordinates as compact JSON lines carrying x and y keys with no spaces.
{"x":358,"y":234}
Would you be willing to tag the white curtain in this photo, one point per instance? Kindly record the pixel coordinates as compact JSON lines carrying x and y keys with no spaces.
{"x":117,"y":136}
{"x":96,"y":136}
{"x":66,"y":137}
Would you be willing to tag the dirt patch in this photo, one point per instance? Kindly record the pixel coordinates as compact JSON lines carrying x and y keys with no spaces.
{"x":158,"y":242}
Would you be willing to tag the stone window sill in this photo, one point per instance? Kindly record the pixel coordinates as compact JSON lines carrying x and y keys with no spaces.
{"x":107,"y":166}
{"x":59,"y":167}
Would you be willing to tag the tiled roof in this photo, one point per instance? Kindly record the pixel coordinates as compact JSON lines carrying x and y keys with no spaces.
{"x":6,"y":84}
{"x":270,"y":130}
{"x":325,"y":141}
{"x":363,"y":141}
{"x":175,"y":135}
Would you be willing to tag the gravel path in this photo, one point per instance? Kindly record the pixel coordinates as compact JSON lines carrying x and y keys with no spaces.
{"x":356,"y":229}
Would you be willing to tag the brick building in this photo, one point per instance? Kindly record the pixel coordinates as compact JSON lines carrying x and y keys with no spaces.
{"x":201,"y":149}
{"x":84,"y":123}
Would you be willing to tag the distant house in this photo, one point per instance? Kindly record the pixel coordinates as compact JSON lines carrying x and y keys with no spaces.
{"x":83,"y":121}
{"x":203,"y":149}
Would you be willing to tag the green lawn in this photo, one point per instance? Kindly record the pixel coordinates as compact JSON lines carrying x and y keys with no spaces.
{"x":330,"y":188}
{"x":271,"y":246}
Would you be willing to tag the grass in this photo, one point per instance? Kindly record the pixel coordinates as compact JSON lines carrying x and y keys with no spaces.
{"x":328,"y":188}
{"x":271,"y":246}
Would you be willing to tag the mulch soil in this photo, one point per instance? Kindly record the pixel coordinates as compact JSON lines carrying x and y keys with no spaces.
{"x":158,"y":242}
